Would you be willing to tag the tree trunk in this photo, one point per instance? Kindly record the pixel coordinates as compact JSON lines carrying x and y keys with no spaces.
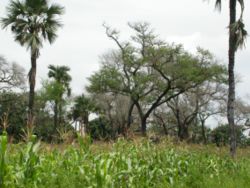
{"x":75,"y":125}
{"x":60,"y":112}
{"x":231,"y":81}
{"x":165,"y":128}
{"x":55,"y":116}
{"x":183,"y":132}
{"x":143,"y":118}
{"x":32,"y":83}
{"x":130,"y":110}
{"x":86,"y":122}
{"x":180,"y":125}
{"x":144,"y":126}
{"x":203,"y":131}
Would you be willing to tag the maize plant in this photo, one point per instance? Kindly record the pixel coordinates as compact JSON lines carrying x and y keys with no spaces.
{"x":3,"y":167}
{"x":124,"y":164}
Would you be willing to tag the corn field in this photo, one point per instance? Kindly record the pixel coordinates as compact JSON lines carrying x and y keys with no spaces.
{"x":126,"y":164}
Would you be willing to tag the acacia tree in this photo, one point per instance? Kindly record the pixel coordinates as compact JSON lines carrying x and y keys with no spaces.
{"x":195,"y":102}
{"x":32,"y":22}
{"x":149,"y":71}
{"x":194,"y":107}
{"x":237,"y":37}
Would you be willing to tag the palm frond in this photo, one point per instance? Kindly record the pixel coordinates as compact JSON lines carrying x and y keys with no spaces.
{"x":54,"y":10}
{"x":242,"y":5}
{"x":218,"y":5}
{"x":240,"y":32}
{"x":33,"y":21}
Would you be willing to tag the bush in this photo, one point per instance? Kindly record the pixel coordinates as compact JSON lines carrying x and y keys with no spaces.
{"x":220,"y":135}
{"x":100,"y":129}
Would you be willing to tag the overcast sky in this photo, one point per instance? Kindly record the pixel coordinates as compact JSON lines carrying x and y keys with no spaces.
{"x":82,"y":39}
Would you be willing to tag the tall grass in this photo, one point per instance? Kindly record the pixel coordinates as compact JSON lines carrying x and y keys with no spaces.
{"x":126,"y":164}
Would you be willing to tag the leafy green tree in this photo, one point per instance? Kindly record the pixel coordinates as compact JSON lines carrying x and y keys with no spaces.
{"x":194,"y":104}
{"x":32,"y":22}
{"x":52,"y":92}
{"x":148,"y":71}
{"x":114,"y":108}
{"x":237,"y":38}
{"x":81,"y":110}
{"x":220,"y":135}
{"x":45,"y":128}
{"x":13,"y":105}
{"x":59,"y":86}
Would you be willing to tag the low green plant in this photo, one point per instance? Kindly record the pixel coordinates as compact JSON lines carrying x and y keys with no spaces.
{"x":3,"y":166}
{"x":124,"y":164}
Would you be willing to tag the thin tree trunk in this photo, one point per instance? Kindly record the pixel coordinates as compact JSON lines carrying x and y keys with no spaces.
{"x":162,"y":123}
{"x":231,"y":81}
{"x":86,"y":122}
{"x":32,"y":83}
{"x":55,"y":116}
{"x":203,"y":131}
{"x":130,"y":110}
{"x":179,"y":124}
{"x":81,"y":126}
{"x":60,"y":112}
{"x":165,"y":128}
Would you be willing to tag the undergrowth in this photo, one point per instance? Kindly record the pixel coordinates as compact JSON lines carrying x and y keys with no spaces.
{"x":123,"y":164}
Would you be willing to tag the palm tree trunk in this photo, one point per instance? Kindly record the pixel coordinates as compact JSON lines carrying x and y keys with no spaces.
{"x":231,"y":81}
{"x":32,"y":83}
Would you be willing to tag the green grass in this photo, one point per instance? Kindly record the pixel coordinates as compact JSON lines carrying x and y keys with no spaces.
{"x":122,"y":164}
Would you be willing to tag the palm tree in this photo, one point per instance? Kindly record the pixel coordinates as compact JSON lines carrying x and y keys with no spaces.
{"x":32,"y":22}
{"x":237,"y":37}
{"x":82,"y":109}
{"x":61,"y":77}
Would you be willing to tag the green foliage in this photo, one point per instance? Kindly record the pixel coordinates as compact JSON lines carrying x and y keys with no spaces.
{"x":32,"y":22}
{"x":107,"y":79}
{"x":100,"y":128}
{"x":83,"y":107}
{"x":150,"y":71}
{"x":14,"y":106}
{"x":52,"y":91}
{"x":61,"y":76}
{"x":3,"y":167}
{"x":125,"y":165}
{"x":220,"y":135}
